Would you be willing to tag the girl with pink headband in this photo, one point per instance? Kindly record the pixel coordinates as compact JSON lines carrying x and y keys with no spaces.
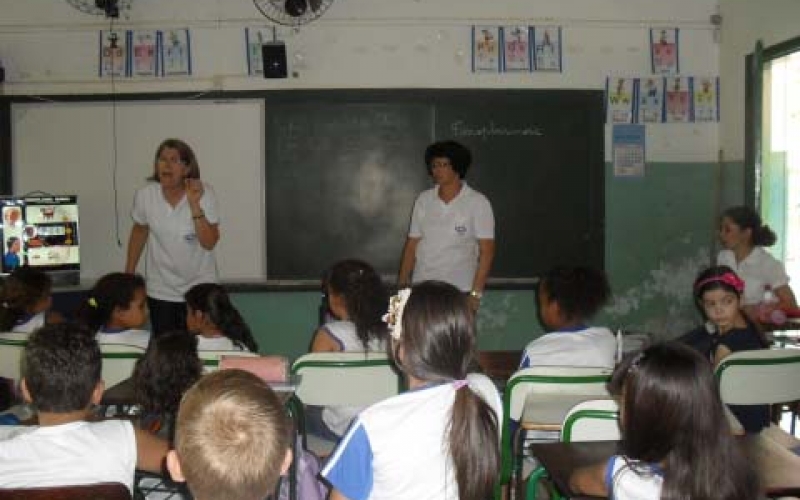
{"x":718,"y":292}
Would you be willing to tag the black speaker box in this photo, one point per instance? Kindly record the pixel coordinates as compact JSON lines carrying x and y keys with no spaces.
{"x":273,"y":57}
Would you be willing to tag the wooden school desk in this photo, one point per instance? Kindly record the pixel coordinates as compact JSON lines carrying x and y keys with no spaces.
{"x":778,"y":467}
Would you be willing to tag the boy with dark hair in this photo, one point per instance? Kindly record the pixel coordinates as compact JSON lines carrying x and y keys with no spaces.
{"x":61,"y":378}
{"x":231,"y":438}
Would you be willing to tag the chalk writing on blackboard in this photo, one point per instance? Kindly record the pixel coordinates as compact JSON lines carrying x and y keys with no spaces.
{"x":461,"y":129}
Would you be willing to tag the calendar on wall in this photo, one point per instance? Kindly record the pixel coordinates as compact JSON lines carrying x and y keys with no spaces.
{"x":628,"y":150}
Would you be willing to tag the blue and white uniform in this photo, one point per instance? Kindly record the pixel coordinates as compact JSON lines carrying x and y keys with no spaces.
{"x":584,"y":346}
{"x":631,"y":480}
{"x":29,"y":324}
{"x":139,"y":338}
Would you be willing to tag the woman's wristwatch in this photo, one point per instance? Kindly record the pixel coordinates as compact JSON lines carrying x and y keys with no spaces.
{"x":199,"y":215}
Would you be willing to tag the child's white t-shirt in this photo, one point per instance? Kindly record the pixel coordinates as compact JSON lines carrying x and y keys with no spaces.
{"x":630,"y":480}
{"x":30,"y":324}
{"x":592,"y":346}
{"x":138,"y":338}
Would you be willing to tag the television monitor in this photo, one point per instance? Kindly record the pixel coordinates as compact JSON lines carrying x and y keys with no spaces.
{"x":42,"y":232}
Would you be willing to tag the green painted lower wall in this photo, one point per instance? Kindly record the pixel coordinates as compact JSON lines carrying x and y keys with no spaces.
{"x":660,"y":231}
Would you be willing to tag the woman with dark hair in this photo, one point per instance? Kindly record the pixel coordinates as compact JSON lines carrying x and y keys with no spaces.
{"x":676,"y":441}
{"x":213,"y":318}
{"x":176,"y":217}
{"x":448,"y":418}
{"x":451,"y":237}
{"x":744,"y":237}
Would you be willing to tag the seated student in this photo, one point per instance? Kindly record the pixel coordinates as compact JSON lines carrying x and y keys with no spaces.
{"x":62,"y":380}
{"x":568,"y":297}
{"x":357,"y":299}
{"x":440,"y":439}
{"x":676,"y":441}
{"x":116,"y":308}
{"x":718,"y":293}
{"x":166,"y":371}
{"x":217,"y":323}
{"x":232,"y":438}
{"x":25,"y":301}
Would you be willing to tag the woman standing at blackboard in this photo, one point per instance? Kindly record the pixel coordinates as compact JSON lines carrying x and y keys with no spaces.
{"x":176,"y":216}
{"x":451,"y":237}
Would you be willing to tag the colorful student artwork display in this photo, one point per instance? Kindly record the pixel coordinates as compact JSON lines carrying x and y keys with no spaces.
{"x":706,"y":99}
{"x":145,"y":52}
{"x":176,"y":54}
{"x":547,"y":48}
{"x":114,"y":56}
{"x":678,"y":99}
{"x":651,"y":100}
{"x":516,"y":48}
{"x":628,"y":150}
{"x":485,"y":49}
{"x":664,"y":51}
{"x":254,"y":38}
{"x":620,"y":102}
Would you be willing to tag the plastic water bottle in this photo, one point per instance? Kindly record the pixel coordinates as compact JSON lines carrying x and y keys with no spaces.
{"x":769,"y":312}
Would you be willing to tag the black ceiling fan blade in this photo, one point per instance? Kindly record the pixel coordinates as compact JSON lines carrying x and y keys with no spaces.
{"x":296,"y":8}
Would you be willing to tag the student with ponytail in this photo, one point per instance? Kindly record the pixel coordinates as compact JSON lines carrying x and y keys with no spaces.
{"x":449,"y":418}
{"x":217,"y":323}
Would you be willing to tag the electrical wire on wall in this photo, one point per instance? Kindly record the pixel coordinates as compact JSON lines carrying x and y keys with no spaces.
{"x":114,"y":141}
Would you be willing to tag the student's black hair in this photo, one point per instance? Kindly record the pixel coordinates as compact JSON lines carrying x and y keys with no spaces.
{"x":62,"y":366}
{"x":438,"y":345}
{"x":580,"y":291}
{"x":112,"y":291}
{"x":364,"y":294}
{"x":747,"y":218}
{"x":458,"y":154}
{"x":213,"y":300}
{"x":22,"y":289}
{"x":672,"y":415}
{"x":168,"y":368}
{"x":718,"y":278}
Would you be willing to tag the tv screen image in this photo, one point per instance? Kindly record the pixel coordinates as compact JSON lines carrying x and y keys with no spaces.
{"x":42,"y":232}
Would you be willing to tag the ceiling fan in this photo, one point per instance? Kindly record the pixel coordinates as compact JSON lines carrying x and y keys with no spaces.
{"x":292,"y":12}
{"x":109,"y":8}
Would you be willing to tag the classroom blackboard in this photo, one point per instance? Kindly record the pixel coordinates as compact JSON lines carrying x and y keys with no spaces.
{"x":343,"y":168}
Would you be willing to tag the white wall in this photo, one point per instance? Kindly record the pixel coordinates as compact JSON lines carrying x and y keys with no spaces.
{"x":743,"y":23}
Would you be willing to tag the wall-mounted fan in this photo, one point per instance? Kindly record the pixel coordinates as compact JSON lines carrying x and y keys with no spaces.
{"x":108,"y":8}
{"x":292,"y":12}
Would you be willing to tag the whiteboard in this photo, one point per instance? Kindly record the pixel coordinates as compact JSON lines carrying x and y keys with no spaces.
{"x":74,"y":148}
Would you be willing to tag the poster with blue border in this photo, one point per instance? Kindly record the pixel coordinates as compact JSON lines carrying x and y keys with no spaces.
{"x":651,"y":100}
{"x":114,"y":56}
{"x":176,"y":52}
{"x":665,"y":51}
{"x":144,"y":49}
{"x":486,"y":47}
{"x":547,"y":48}
{"x":621,"y":99}
{"x":705,"y":99}
{"x":516,"y":48}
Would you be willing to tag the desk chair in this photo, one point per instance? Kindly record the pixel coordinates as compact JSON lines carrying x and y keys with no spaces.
{"x":342,"y":379}
{"x":12,"y":346}
{"x":211,"y":359}
{"x":543,"y":395}
{"x":759,"y":377}
{"x":593,"y":420}
{"x":119,"y":361}
{"x":99,"y":491}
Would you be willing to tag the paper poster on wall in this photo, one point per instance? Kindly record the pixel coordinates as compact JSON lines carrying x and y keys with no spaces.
{"x":620,"y":102}
{"x":255,"y":37}
{"x":628,"y":148}
{"x":516,"y":48}
{"x":176,"y":53}
{"x":706,"y":99}
{"x":651,"y":100}
{"x":145,"y":52}
{"x":678,"y":97}
{"x":665,"y":51}
{"x":114,"y":60}
{"x":486,"y":49}
{"x":547,"y":48}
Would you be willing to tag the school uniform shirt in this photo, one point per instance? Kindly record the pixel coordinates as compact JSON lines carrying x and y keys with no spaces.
{"x":220,"y":343}
{"x":397,"y":449}
{"x":584,"y":346}
{"x":631,"y":480}
{"x":757,"y":270}
{"x":705,"y":340}
{"x":29,"y":324}
{"x":175,"y":259}
{"x":139,"y":338}
{"x":449,"y":233}
{"x":338,"y":418}
{"x":69,"y":454}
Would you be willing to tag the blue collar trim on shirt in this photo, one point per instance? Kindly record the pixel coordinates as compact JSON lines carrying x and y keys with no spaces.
{"x":24,"y":319}
{"x":112,"y":330}
{"x":572,"y":329}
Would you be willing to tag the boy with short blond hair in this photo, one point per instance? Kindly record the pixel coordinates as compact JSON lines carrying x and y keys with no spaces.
{"x":232,"y":438}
